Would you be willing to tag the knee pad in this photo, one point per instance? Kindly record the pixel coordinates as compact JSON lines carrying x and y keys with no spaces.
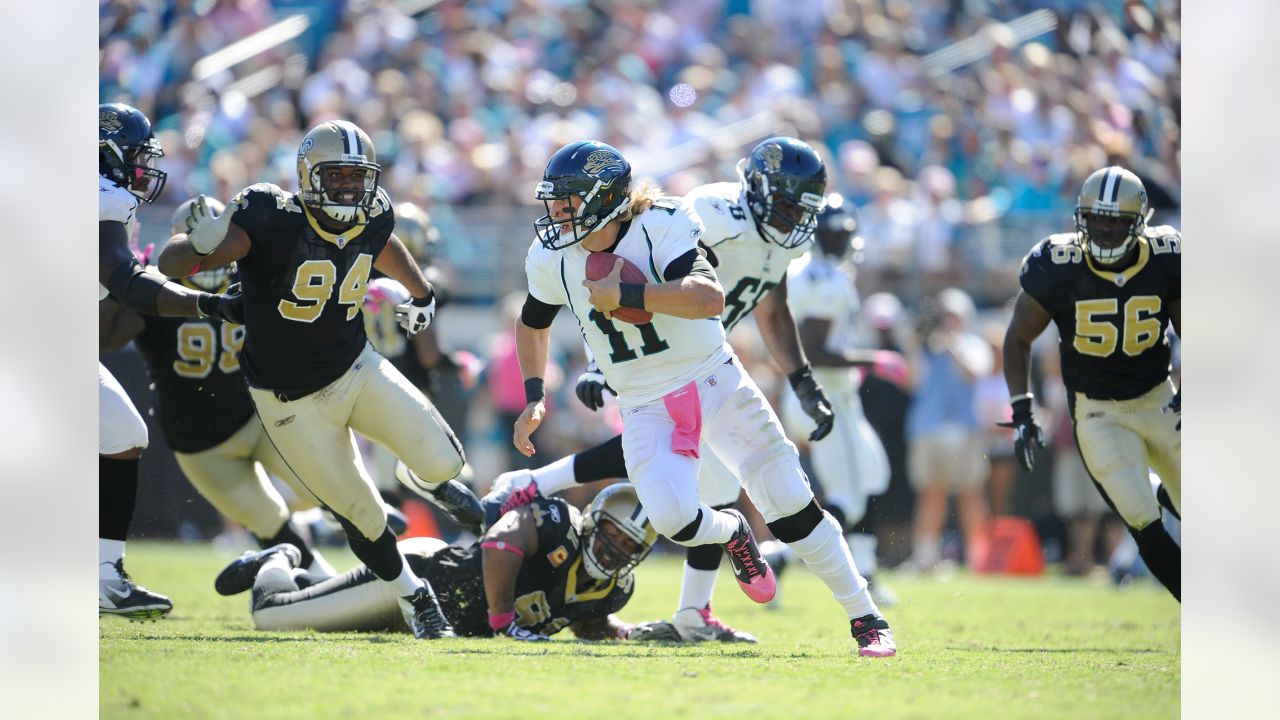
{"x":797,"y":526}
{"x":362,"y":523}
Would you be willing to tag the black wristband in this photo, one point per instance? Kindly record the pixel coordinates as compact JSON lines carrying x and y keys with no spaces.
{"x":796,"y":377}
{"x":1021,"y":409}
{"x":533,"y":390}
{"x":426,"y":300}
{"x":631,"y":295}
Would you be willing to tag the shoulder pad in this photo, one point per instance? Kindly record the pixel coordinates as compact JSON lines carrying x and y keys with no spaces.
{"x":721,"y":216}
{"x":114,"y":202}
{"x":261,"y":191}
{"x":382,"y":204}
{"x":1058,"y":249}
{"x":1061,"y":239}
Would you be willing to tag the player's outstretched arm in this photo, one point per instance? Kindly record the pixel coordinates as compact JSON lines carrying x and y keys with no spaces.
{"x":778,"y":329}
{"x":180,"y":257}
{"x":504,"y":548}
{"x":533,"y":343}
{"x":396,"y":263}
{"x":148,"y":293}
{"x":117,"y":325}
{"x":1029,"y":320}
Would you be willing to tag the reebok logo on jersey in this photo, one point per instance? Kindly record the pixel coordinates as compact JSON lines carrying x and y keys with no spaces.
{"x":285,"y":421}
{"x":711,"y":381}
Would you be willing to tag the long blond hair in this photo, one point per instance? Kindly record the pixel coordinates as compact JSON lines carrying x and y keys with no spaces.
{"x":642,"y":198}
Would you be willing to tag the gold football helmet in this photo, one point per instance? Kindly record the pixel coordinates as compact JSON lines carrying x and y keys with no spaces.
{"x":1111,"y":213}
{"x":338,"y":172}
{"x":215,"y":280}
{"x":614,"y":552}
{"x":414,"y":228}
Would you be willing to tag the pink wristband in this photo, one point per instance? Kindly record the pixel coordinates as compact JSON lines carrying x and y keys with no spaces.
{"x":498,"y":622}
{"x":500,"y":545}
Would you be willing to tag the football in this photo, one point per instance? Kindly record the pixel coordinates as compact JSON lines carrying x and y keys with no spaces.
{"x":600,"y":264}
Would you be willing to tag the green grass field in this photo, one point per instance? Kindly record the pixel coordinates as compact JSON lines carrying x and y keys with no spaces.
{"x":968,"y":647}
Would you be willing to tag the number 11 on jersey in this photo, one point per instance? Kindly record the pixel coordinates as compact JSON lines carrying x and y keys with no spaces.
{"x":620,"y":352}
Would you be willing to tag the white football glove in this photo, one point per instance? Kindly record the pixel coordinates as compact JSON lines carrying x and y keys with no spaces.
{"x":207,"y":230}
{"x":415,"y":315}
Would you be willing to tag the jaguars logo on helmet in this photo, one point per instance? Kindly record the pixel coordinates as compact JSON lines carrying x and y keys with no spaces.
{"x":127,"y":151}
{"x":785,"y":182}
{"x":594,"y":173}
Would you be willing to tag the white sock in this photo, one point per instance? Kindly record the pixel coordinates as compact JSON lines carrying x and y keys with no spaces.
{"x":695,"y":591}
{"x":407,"y":583}
{"x":863,"y":548}
{"x":925,"y":551}
{"x":825,"y":552}
{"x":716,"y":527}
{"x":556,"y":477}
{"x":109,"y":552}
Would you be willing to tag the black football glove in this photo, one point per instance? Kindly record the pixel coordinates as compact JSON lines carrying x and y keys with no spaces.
{"x":228,"y":307}
{"x":1027,"y":436}
{"x":1175,"y":406}
{"x":814,"y":401}
{"x":591,"y":387}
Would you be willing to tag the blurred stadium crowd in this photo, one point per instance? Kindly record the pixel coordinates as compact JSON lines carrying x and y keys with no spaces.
{"x":962,"y":130}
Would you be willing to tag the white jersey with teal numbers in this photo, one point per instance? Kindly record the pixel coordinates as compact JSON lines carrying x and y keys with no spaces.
{"x":641,"y":363}
{"x":118,"y":204}
{"x":819,"y":288}
{"x":748,"y":265}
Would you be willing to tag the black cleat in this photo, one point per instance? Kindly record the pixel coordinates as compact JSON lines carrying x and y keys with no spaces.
{"x":452,"y":497}
{"x":240,"y":574}
{"x":753,"y":574}
{"x":123,"y":597}
{"x":873,"y":636}
{"x":425,"y":618}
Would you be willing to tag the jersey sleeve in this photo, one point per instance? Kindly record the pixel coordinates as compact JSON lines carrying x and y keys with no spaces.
{"x":254,"y":207}
{"x":681,"y":229}
{"x":1037,"y":276}
{"x":115,"y":204}
{"x":719,"y":224}
{"x":541,"y":267}
{"x":554,"y":524}
{"x":382,"y":221}
{"x":1166,"y":249}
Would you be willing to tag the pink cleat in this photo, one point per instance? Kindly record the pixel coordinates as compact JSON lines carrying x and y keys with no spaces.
{"x":873,"y":636}
{"x":754,"y":575}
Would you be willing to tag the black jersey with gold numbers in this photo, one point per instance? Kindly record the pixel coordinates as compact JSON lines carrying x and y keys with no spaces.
{"x":553,"y":590}
{"x":303,"y":288}
{"x":1111,"y":324}
{"x":199,"y":390}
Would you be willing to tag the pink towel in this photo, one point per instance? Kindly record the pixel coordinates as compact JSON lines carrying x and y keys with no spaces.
{"x":685,"y":409}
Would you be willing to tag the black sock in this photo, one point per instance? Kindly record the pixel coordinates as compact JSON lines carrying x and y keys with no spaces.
{"x":602,"y":461}
{"x":1162,"y":556}
{"x":289,"y":534}
{"x":117,"y":494}
{"x":381,"y":556}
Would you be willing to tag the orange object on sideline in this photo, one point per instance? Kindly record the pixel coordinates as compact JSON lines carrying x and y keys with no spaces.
{"x":422,"y":522}
{"x":1012,"y":548}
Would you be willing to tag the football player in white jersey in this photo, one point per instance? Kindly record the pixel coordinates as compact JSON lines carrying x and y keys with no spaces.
{"x":677,"y":369}
{"x":754,"y":228}
{"x":126,"y":151}
{"x":850,"y":463}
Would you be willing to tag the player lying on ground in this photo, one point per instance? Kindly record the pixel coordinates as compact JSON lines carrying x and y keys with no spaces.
{"x":539,"y":569}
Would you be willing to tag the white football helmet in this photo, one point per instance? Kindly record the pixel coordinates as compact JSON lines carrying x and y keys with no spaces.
{"x":605,"y":553}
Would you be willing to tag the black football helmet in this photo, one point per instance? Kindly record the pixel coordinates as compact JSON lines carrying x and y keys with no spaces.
{"x":598,"y":176}
{"x":785,"y":182}
{"x":127,"y":149}
{"x":837,"y":232}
